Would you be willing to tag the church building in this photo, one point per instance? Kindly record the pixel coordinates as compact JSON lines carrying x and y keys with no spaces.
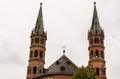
{"x":64,"y":68}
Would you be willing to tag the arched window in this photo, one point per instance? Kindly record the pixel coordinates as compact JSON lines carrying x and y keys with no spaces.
{"x":97,"y":53}
{"x":43,"y":70}
{"x":40,"y":71}
{"x":41,"y":54}
{"x":36,"y":53}
{"x":36,"y":40}
{"x":97,"y":71}
{"x":31,"y":54}
{"x":34,"y":70}
{"x":97,"y":40}
{"x":28,"y":71}
{"x":96,"y":31}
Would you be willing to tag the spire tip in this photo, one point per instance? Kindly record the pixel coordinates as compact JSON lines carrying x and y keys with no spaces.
{"x":94,"y":3}
{"x":41,"y":4}
{"x":64,"y":50}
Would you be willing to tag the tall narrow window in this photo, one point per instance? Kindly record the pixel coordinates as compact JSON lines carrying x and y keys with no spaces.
{"x":97,"y":40}
{"x":34,"y":70}
{"x":97,"y":71}
{"x":96,"y":31}
{"x":40,"y":71}
{"x":41,"y":54}
{"x":36,"y":40}
{"x":28,"y":71}
{"x":97,"y":53}
{"x":36,"y":53}
{"x":43,"y":70}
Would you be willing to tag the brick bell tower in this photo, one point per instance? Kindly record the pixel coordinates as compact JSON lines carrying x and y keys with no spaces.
{"x":37,"y":48}
{"x":96,"y":47}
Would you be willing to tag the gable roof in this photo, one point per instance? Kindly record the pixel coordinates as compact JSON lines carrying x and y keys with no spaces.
{"x":63,"y":66}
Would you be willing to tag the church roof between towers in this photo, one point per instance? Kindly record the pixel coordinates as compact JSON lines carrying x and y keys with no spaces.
{"x":63,"y":66}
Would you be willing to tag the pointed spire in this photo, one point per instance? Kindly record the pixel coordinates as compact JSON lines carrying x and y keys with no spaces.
{"x":95,"y":28}
{"x":39,"y":27}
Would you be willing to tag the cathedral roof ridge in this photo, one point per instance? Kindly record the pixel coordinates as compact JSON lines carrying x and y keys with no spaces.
{"x":61,"y":66}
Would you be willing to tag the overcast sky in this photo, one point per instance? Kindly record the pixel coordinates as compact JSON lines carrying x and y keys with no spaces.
{"x":67,"y":23}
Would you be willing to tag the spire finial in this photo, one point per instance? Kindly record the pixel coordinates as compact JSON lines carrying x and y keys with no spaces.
{"x":41,"y":4}
{"x":94,"y":3}
{"x":64,"y":50}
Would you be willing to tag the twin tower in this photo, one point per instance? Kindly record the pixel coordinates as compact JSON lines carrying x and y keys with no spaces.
{"x":38,"y":47}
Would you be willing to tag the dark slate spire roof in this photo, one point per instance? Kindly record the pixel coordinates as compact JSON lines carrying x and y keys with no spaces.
{"x":39,"y":27}
{"x":60,"y":67}
{"x":95,"y":28}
